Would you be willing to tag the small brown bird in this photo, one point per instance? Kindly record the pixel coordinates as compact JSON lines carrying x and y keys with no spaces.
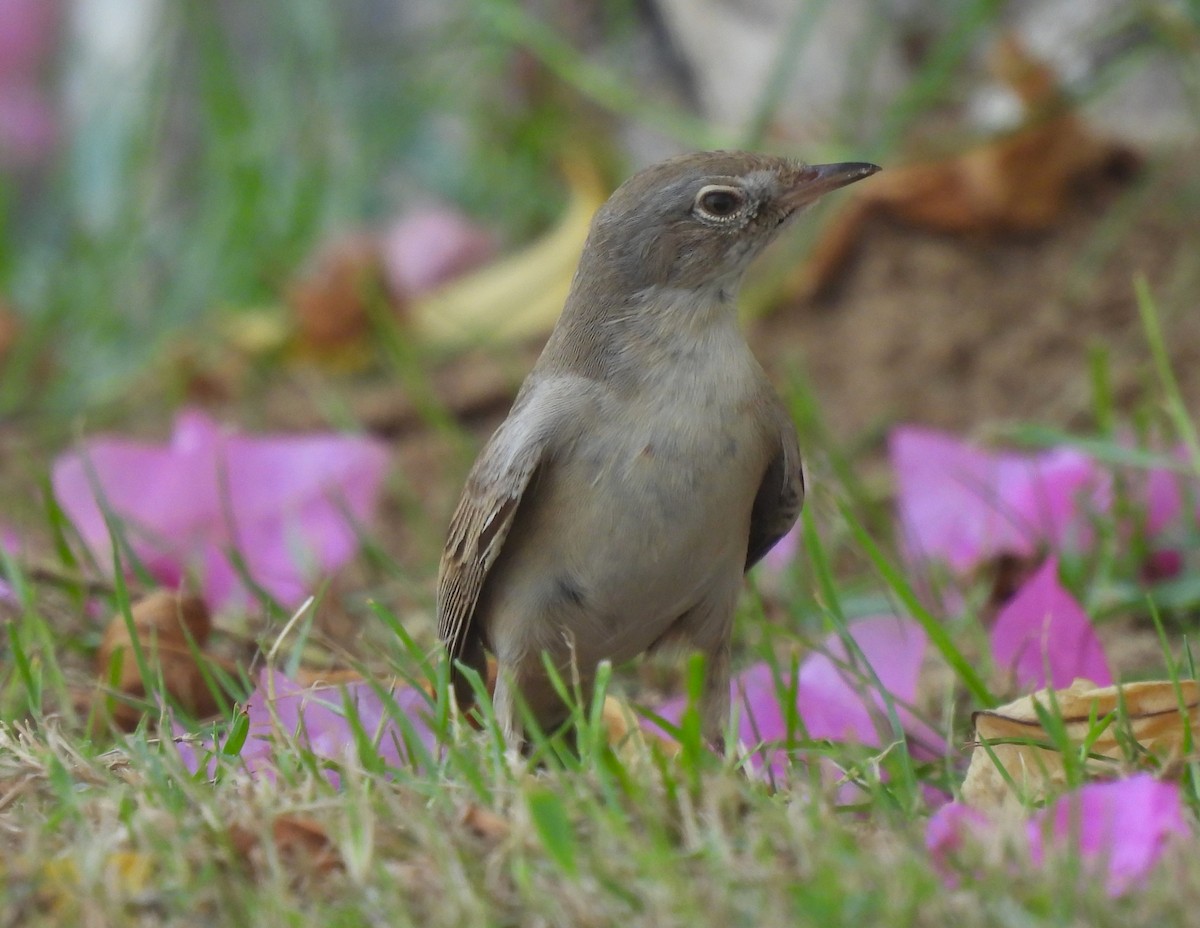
{"x":646,"y":463}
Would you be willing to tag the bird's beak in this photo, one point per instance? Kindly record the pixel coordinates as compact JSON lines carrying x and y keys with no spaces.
{"x":815,"y":180}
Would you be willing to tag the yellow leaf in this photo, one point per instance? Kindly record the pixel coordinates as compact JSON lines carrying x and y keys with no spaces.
{"x":519,"y":296}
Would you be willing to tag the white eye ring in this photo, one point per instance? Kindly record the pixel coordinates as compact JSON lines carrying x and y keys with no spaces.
{"x":720,"y":202}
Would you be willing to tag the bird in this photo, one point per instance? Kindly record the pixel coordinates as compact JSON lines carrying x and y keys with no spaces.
{"x":646,"y":463}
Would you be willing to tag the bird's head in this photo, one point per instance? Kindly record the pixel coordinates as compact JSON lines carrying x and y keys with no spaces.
{"x":698,"y":220}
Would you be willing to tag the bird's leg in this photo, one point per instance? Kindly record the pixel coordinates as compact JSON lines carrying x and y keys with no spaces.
{"x":505,"y":707}
{"x":714,"y":698}
{"x":707,"y":628}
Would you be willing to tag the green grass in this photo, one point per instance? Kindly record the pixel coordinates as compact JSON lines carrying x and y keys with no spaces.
{"x":219,"y":183}
{"x":583,"y":847}
{"x":586,"y":834}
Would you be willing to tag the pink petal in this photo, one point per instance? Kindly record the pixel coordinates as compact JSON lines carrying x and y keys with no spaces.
{"x":28,"y":125}
{"x":27,"y":39}
{"x":1164,"y":501}
{"x":287,"y":504}
{"x":831,"y":703}
{"x":1166,"y":564}
{"x":281,"y":711}
{"x":840,"y":704}
{"x":947,"y":832}
{"x":963,"y":505}
{"x":1042,"y":627}
{"x":1120,"y":829}
{"x":781,"y":556}
{"x":431,"y":246}
{"x":1165,"y":492}
{"x":1165,"y":495}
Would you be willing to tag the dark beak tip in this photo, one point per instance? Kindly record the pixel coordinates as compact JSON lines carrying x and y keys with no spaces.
{"x":848,"y":171}
{"x":820,"y":179}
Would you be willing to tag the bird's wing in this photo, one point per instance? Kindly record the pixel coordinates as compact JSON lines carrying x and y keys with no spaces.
{"x":493,"y":492}
{"x":780,"y":495}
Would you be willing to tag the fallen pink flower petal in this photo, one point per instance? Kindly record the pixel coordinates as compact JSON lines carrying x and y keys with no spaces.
{"x":1164,"y":500}
{"x":28,"y":37}
{"x":839,"y":703}
{"x":281,"y":712}
{"x":963,"y":505}
{"x":832,"y":700}
{"x":947,"y":832}
{"x":1166,"y":564}
{"x":28,"y":126}
{"x":779,"y":557}
{"x":1043,"y":630}
{"x":429,"y":247}
{"x":28,"y":117}
{"x":1119,"y":829}
{"x":1166,"y":495}
{"x":287,"y":505}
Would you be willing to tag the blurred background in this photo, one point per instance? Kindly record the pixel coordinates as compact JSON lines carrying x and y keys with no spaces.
{"x":365,"y":213}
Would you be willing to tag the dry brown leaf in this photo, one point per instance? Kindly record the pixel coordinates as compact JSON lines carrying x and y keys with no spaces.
{"x":484,"y":823}
{"x":10,"y":328}
{"x":330,"y":676}
{"x":330,"y":299}
{"x":1147,"y":713}
{"x":1019,"y":182}
{"x":171,"y":630}
{"x":302,"y":844}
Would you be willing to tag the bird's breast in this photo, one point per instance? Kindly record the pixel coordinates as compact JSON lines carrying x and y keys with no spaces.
{"x":645,"y":514}
{"x":665,"y":479}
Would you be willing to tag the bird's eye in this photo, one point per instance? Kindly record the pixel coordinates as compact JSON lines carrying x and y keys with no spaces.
{"x":716,"y":202}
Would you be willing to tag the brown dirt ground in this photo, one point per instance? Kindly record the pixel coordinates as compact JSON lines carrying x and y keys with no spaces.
{"x":957,"y":333}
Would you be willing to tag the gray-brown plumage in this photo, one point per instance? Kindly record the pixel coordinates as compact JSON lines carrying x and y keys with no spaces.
{"x":647,"y":463}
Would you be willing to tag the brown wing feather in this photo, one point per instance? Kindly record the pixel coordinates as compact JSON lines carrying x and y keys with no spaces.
{"x":544,"y":416}
{"x":477,"y":532}
{"x":780,"y":495}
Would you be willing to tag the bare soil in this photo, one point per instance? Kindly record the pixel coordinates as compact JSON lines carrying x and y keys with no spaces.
{"x":960,"y":332}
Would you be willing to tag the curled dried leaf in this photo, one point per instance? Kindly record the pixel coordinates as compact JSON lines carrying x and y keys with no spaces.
{"x":1018,"y":182}
{"x":484,"y":823}
{"x":331,"y":676}
{"x":1138,"y":723}
{"x":330,"y":299}
{"x":302,"y":844}
{"x":171,"y":630}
